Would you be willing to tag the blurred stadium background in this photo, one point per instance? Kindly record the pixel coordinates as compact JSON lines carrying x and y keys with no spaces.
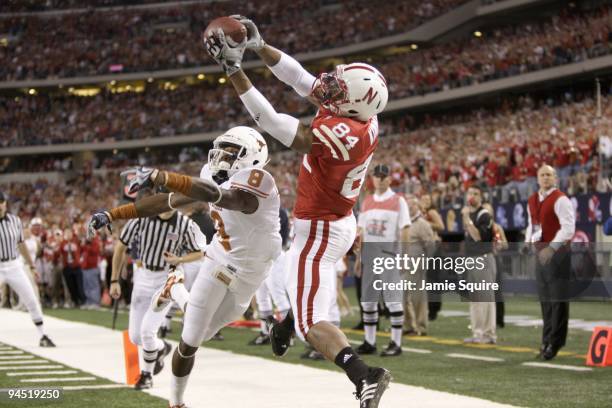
{"x":481,"y":92}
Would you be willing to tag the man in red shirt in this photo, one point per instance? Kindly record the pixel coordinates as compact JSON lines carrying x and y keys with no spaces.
{"x":90,"y":257}
{"x":70,"y":254}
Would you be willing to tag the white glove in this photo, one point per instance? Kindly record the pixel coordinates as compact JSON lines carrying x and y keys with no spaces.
{"x":230,"y":58}
{"x":254,"y":40}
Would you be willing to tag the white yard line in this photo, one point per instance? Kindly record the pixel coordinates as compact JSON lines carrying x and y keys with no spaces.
{"x":474,"y":357}
{"x":14,"y":357}
{"x":6,"y":348}
{"x":38,"y":367}
{"x":36,"y":361}
{"x":11,"y":352}
{"x":26,"y":373}
{"x":557,"y":366}
{"x":406,"y":349}
{"x":220,"y":378}
{"x":57,"y":379}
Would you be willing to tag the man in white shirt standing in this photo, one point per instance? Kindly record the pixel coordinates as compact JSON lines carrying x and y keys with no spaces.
{"x":552,"y":224}
{"x":382,"y":223}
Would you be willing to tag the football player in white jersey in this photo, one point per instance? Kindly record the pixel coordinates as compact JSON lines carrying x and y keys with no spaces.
{"x":245,"y":205}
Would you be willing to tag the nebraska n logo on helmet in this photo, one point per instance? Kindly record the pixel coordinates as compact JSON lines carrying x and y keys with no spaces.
{"x":241,"y":147}
{"x":354,"y":90}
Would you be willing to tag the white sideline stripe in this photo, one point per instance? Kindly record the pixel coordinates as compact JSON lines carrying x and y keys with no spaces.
{"x":22,"y":362}
{"x":473,"y":357}
{"x":12,"y":352}
{"x":14,"y":357}
{"x":22,"y":373}
{"x":50,"y":379}
{"x":98,"y":351}
{"x":557,"y":366}
{"x":93,"y":387}
{"x":406,"y":349}
{"x":38,"y":367}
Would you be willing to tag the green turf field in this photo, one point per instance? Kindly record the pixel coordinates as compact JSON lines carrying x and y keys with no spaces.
{"x":506,"y":381}
{"x":17,"y":378}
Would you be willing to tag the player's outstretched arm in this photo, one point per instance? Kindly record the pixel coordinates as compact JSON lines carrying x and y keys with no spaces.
{"x":188,"y":190}
{"x":283,"y":66}
{"x":284,"y":128}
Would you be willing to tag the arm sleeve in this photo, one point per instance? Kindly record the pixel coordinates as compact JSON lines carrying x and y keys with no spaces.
{"x":280,"y":126}
{"x":129,"y":232}
{"x":284,"y":225}
{"x":565,"y":212}
{"x":291,"y":72}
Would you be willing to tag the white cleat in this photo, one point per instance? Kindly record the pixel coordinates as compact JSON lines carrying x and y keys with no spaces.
{"x":163,"y":296}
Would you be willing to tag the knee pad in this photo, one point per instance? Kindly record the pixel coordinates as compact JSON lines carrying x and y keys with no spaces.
{"x":369,"y":306}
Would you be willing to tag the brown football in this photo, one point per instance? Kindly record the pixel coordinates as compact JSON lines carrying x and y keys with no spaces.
{"x":232,"y":28}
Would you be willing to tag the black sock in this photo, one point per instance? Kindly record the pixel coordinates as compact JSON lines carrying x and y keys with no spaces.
{"x":348,"y":360}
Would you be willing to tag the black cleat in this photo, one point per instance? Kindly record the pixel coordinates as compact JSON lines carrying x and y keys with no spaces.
{"x":366,"y":348}
{"x":145,"y":381}
{"x":161,"y":354}
{"x":261,"y":340}
{"x":218,"y":336}
{"x":46,"y":342}
{"x":391,"y":350}
{"x":280,"y":336}
{"x":371,"y":388}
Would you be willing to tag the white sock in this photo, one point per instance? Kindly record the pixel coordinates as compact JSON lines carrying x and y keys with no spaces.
{"x":40,"y":327}
{"x":148,"y":362}
{"x":263,"y":322}
{"x":396,"y":335}
{"x":177,"y":389}
{"x":370,"y":333}
{"x":180,"y":295}
{"x":397,"y":324}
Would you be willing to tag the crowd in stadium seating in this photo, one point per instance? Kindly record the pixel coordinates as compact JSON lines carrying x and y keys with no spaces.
{"x":108,"y":116}
{"x":512,"y":50}
{"x":501,"y":149}
{"x":128,"y":41}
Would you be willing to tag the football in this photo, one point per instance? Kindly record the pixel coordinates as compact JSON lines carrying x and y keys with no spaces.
{"x":234,"y":30}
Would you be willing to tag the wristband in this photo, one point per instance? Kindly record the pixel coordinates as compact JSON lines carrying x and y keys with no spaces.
{"x":114,"y":281}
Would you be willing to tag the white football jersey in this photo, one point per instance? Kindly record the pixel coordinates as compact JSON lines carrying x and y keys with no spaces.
{"x":249,"y":242}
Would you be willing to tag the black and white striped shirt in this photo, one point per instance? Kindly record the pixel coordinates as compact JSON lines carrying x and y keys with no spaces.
{"x":156,"y":236}
{"x":11,"y":234}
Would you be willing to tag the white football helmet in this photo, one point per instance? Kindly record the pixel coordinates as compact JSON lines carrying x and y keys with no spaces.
{"x":354,"y":90}
{"x":251,"y":151}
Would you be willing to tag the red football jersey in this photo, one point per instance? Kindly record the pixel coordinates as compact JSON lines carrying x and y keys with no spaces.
{"x":333,"y":172}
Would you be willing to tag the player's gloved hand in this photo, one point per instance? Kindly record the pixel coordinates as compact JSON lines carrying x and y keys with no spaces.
{"x":229,"y":57}
{"x":142,"y":177}
{"x":99,"y":220}
{"x":254,"y":40}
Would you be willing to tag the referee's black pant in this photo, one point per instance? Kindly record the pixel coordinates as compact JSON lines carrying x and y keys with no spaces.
{"x":74,"y":281}
{"x":553,"y":289}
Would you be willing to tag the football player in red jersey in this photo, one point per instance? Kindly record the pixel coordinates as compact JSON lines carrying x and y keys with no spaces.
{"x":337,"y":147}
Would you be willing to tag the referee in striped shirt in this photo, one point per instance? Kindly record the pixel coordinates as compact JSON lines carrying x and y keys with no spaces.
{"x":12,"y":269}
{"x":158,"y":238}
